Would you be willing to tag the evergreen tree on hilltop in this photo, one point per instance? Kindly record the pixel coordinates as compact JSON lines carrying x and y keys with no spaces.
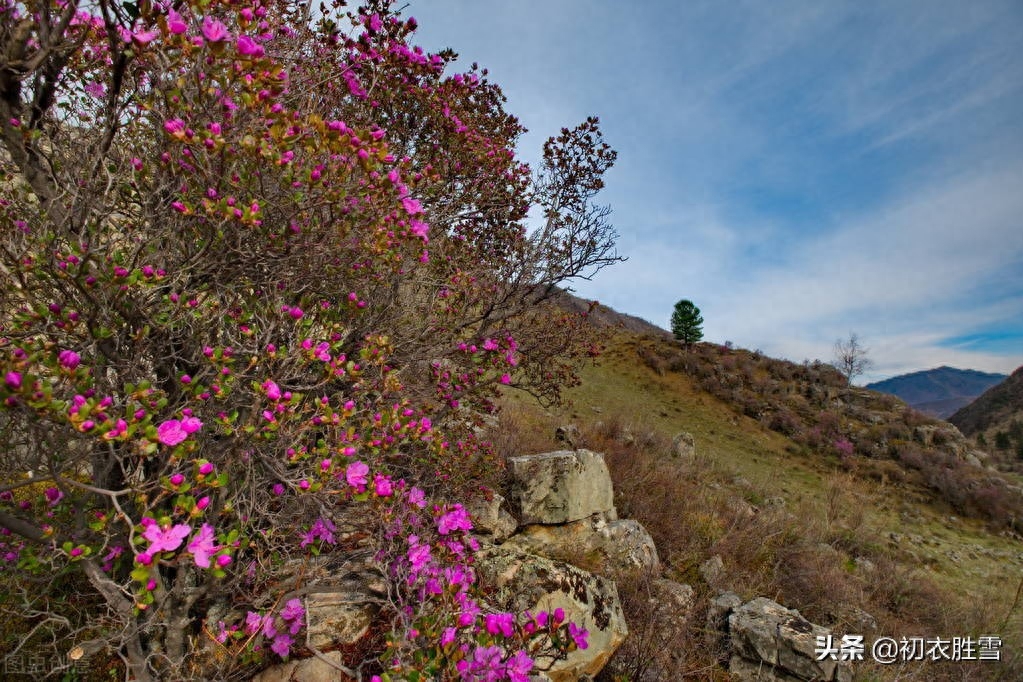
{"x":687,"y":323}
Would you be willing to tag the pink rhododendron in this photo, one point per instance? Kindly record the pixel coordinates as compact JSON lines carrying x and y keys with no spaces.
{"x":249,"y":47}
{"x":214,"y":30}
{"x":355,"y":473}
{"x":203,"y":546}
{"x":170,"y":432}
{"x":165,"y":539}
{"x":456,"y":519}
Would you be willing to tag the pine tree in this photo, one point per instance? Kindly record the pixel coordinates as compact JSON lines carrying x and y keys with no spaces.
{"x":687,"y":323}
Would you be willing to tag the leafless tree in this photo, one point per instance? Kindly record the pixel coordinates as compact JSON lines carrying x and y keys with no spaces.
{"x":851,"y":357}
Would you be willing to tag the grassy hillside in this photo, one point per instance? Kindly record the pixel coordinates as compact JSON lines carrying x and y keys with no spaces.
{"x":839,"y":502}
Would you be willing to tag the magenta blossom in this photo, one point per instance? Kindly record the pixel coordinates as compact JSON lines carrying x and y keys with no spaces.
{"x":214,"y":30}
{"x":203,"y":546}
{"x":382,"y":485}
{"x":13,"y":380}
{"x":579,"y":635}
{"x":170,"y":432}
{"x":165,"y":539}
{"x":456,"y":519}
{"x":190,"y":424}
{"x":249,"y":47}
{"x":69,"y":359}
{"x":518,"y":667}
{"x":356,"y":473}
{"x":176,"y":23}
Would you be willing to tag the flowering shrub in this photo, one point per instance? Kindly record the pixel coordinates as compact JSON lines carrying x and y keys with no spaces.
{"x":260,"y":272}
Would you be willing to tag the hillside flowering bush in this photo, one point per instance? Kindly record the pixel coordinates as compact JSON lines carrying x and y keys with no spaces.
{"x":262,"y":269}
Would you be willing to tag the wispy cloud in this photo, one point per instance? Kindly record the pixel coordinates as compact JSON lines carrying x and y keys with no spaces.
{"x":799,"y":170}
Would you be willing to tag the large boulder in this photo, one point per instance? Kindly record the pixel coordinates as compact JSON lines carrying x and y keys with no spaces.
{"x":526,"y":582}
{"x":772,"y":642}
{"x":594,"y":543}
{"x":561,"y":487}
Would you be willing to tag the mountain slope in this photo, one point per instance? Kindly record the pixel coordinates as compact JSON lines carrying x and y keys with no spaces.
{"x":995,"y":419}
{"x":938,"y":392}
{"x":834,"y":500}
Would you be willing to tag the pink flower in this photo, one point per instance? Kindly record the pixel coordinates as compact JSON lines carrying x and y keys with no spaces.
{"x":456,"y":519}
{"x":177,"y":479}
{"x":418,"y":555}
{"x":505,"y":379}
{"x":355,"y":474}
{"x":13,"y":380}
{"x":419,"y":228}
{"x":95,"y":89}
{"x":448,"y":636}
{"x":165,"y":539}
{"x":224,"y":560}
{"x":249,"y":47}
{"x":412,"y":206}
{"x":176,"y":23}
{"x":417,"y":498}
{"x":145,"y":37}
{"x":273,"y":391}
{"x":69,"y":359}
{"x":293,"y":610}
{"x":170,"y":432}
{"x":281,"y":645}
{"x":382,"y":485}
{"x":214,"y":30}
{"x":579,"y":635}
{"x":206,"y":468}
{"x":203,"y":546}
{"x":253,"y":622}
{"x":190,"y":424}
{"x":518,"y":667}
{"x":503,"y":623}
{"x":174,"y":126}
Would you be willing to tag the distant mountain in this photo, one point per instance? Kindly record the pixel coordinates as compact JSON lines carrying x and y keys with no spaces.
{"x":994,"y":410}
{"x":938,"y":392}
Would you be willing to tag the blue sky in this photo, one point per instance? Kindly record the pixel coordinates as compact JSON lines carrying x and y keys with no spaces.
{"x":800,"y":170}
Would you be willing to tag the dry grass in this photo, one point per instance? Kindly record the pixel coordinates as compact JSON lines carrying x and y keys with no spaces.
{"x":806,"y":531}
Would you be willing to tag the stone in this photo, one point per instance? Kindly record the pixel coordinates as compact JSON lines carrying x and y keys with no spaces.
{"x":718,"y":611}
{"x":569,"y":434}
{"x":771,"y":636}
{"x":560,"y":487}
{"x":338,"y":618}
{"x":526,"y":582}
{"x":491,"y":518}
{"x":594,"y":544}
{"x":683,"y":446}
{"x":713,"y":571}
{"x":305,"y":670}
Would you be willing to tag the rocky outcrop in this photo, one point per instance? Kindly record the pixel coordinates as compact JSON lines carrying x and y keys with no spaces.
{"x":560,"y":487}
{"x":770,"y":642}
{"x":606,"y":547}
{"x":527,"y":582}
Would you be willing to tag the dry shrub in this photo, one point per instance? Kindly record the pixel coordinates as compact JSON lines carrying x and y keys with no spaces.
{"x":663,"y":644}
